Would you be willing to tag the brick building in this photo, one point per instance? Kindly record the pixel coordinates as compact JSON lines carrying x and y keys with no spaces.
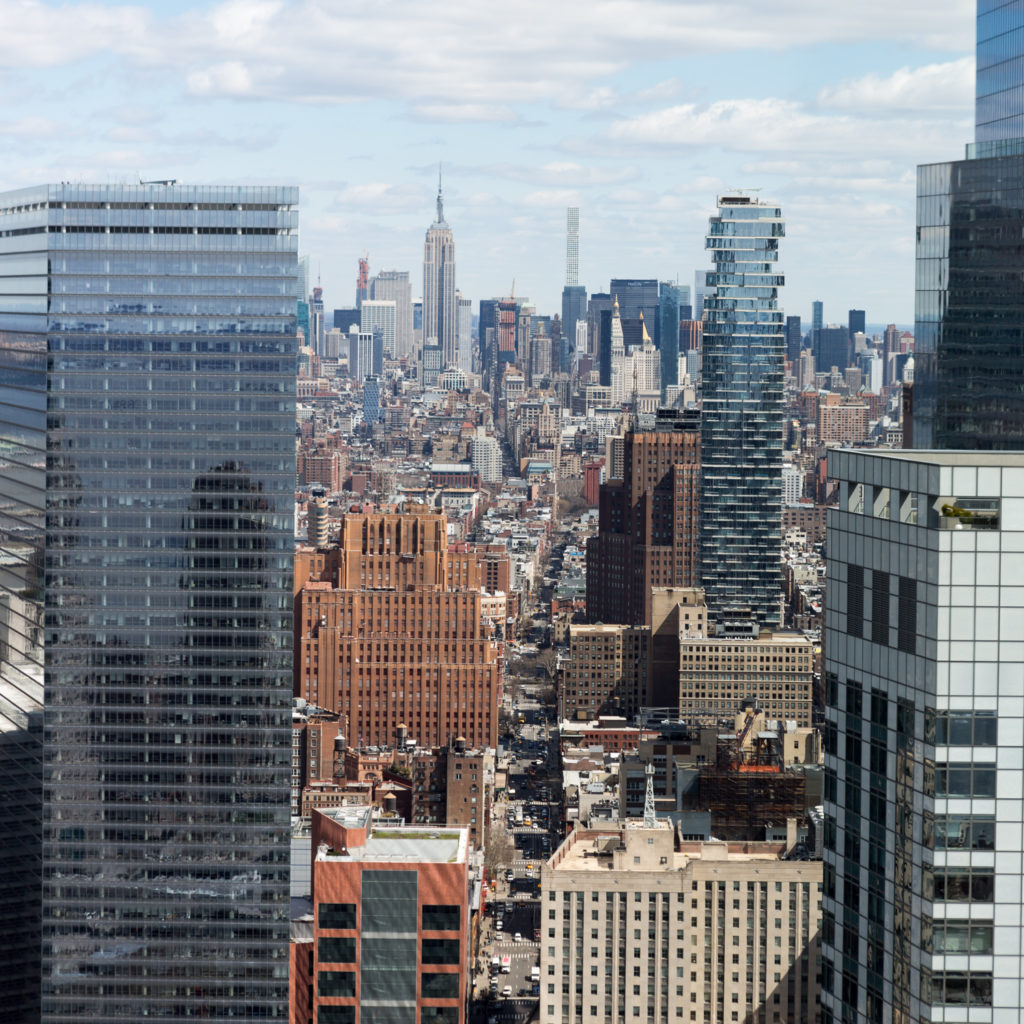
{"x":648,"y":521}
{"x":390,"y":631}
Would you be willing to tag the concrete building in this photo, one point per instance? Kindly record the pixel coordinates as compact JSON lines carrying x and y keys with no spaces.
{"x":485,"y":455}
{"x":924,"y":667}
{"x":638,"y":925}
{"x":390,"y":632}
{"x":390,"y":922}
{"x":776,"y":670}
{"x":842,"y":422}
{"x":317,"y":521}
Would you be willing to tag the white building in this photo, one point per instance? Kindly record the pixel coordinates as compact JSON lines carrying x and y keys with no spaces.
{"x":792,"y":484}
{"x":464,"y":332}
{"x":924,"y":692}
{"x":380,"y":314}
{"x":395,"y":285}
{"x":485,"y":454}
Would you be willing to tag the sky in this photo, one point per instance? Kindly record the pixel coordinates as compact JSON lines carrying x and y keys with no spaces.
{"x":639,"y":112}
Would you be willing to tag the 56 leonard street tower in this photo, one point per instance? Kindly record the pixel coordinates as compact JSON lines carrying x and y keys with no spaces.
{"x":147,"y":336}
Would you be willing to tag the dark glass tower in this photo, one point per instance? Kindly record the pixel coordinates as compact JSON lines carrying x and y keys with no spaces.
{"x":156,"y":326}
{"x":741,"y":425}
{"x":668,"y":333}
{"x":969,"y":310}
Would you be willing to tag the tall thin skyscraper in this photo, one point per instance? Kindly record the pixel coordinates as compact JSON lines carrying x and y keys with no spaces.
{"x":439,"y":314}
{"x":669,"y":299}
{"x":744,"y":348}
{"x":154,"y":338}
{"x":572,"y":246}
{"x":969,"y":368}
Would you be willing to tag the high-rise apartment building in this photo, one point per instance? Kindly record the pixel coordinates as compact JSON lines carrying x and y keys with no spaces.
{"x":390,"y":632}
{"x":148,"y":336}
{"x":439,"y":319}
{"x":637,"y":925}
{"x":794,"y":339}
{"x":744,"y":351}
{"x":648,"y":521}
{"x":669,"y":298}
{"x":464,"y":332}
{"x":485,"y":455}
{"x":924,"y":723}
{"x":390,"y":922}
{"x":969,"y":311}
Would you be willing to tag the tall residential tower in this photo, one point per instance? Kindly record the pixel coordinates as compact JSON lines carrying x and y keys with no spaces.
{"x":151,"y":334}
{"x":744,"y":348}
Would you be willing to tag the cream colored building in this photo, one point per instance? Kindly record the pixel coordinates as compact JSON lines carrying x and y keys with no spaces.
{"x":635,"y":926}
{"x":776,"y":670}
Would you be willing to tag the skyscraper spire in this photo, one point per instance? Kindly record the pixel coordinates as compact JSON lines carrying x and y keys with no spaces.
{"x":440,"y":200}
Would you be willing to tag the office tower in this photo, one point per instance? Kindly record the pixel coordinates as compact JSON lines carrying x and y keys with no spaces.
{"x":616,"y":356}
{"x":361,"y":346}
{"x":668,"y":332}
{"x":302,"y":320}
{"x":317,"y":327}
{"x":487,"y":334}
{"x":856,"y":322}
{"x":831,"y":348}
{"x":648,"y":521}
{"x":794,"y":339}
{"x":817,"y":315}
{"x":391,"y":917}
{"x":485,"y":454}
{"x":166,"y":411}
{"x":345,"y":318}
{"x":969,"y":312}
{"x":439,"y":324}
{"x":464,"y":332}
{"x":700,"y":292}
{"x":380,"y":315}
{"x":923,"y":846}
{"x":637,"y":296}
{"x":742,"y":417}
{"x":677,"y":929}
{"x":391,"y":632}
{"x":394,"y":286}
{"x":604,"y":672}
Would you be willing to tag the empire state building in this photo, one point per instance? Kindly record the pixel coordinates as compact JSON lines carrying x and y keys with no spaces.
{"x":439,"y":326}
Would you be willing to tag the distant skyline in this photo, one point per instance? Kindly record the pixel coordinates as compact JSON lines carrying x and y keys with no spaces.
{"x":639,"y":112}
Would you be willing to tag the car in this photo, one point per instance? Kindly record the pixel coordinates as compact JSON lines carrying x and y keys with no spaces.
{"x":509,"y":907}
{"x":507,"y":991}
{"x":499,"y":925}
{"x":517,"y":937}
{"x":509,"y":875}
{"x":529,"y":867}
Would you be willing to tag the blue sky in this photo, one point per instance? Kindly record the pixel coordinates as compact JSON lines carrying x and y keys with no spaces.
{"x":637,"y":111}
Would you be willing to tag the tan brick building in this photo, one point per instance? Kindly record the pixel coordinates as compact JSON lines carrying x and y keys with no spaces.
{"x":775,"y":669}
{"x":605,"y":671}
{"x":638,"y":926}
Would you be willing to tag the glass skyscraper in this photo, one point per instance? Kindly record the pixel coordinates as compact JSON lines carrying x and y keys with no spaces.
{"x":744,"y":350}
{"x":148,"y":339}
{"x":668,"y":333}
{"x":969,"y":335}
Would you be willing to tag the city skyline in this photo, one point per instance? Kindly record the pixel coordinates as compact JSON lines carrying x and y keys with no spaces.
{"x":246,"y":87}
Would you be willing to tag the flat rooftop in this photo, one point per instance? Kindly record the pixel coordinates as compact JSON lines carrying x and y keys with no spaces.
{"x":942,"y":458}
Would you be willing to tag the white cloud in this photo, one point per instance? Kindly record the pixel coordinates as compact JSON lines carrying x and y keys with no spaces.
{"x":463,"y":113}
{"x":934,"y":87}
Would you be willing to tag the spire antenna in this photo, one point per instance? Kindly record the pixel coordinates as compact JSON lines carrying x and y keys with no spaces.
{"x":440,"y":200}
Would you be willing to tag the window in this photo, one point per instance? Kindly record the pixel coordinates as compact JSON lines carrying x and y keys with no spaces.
{"x":960,"y":885}
{"x":966,"y":728}
{"x":962,"y":937}
{"x":336,"y":983}
{"x":336,"y":1015}
{"x":959,"y":988}
{"x":337,"y":915}
{"x":440,"y":986}
{"x":963,"y":779}
{"x":336,"y":950}
{"x":441,"y":917}
{"x":440,"y":951}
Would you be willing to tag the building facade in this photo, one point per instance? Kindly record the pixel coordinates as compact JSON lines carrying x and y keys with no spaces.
{"x":604,"y":672}
{"x":390,"y":922}
{"x":440,"y":322}
{"x":743,"y":410}
{"x":394,"y":286}
{"x":390,"y":632}
{"x":924,"y":720}
{"x":638,"y":925}
{"x":153,"y":333}
{"x":648,"y":521}
{"x":380,"y":315}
